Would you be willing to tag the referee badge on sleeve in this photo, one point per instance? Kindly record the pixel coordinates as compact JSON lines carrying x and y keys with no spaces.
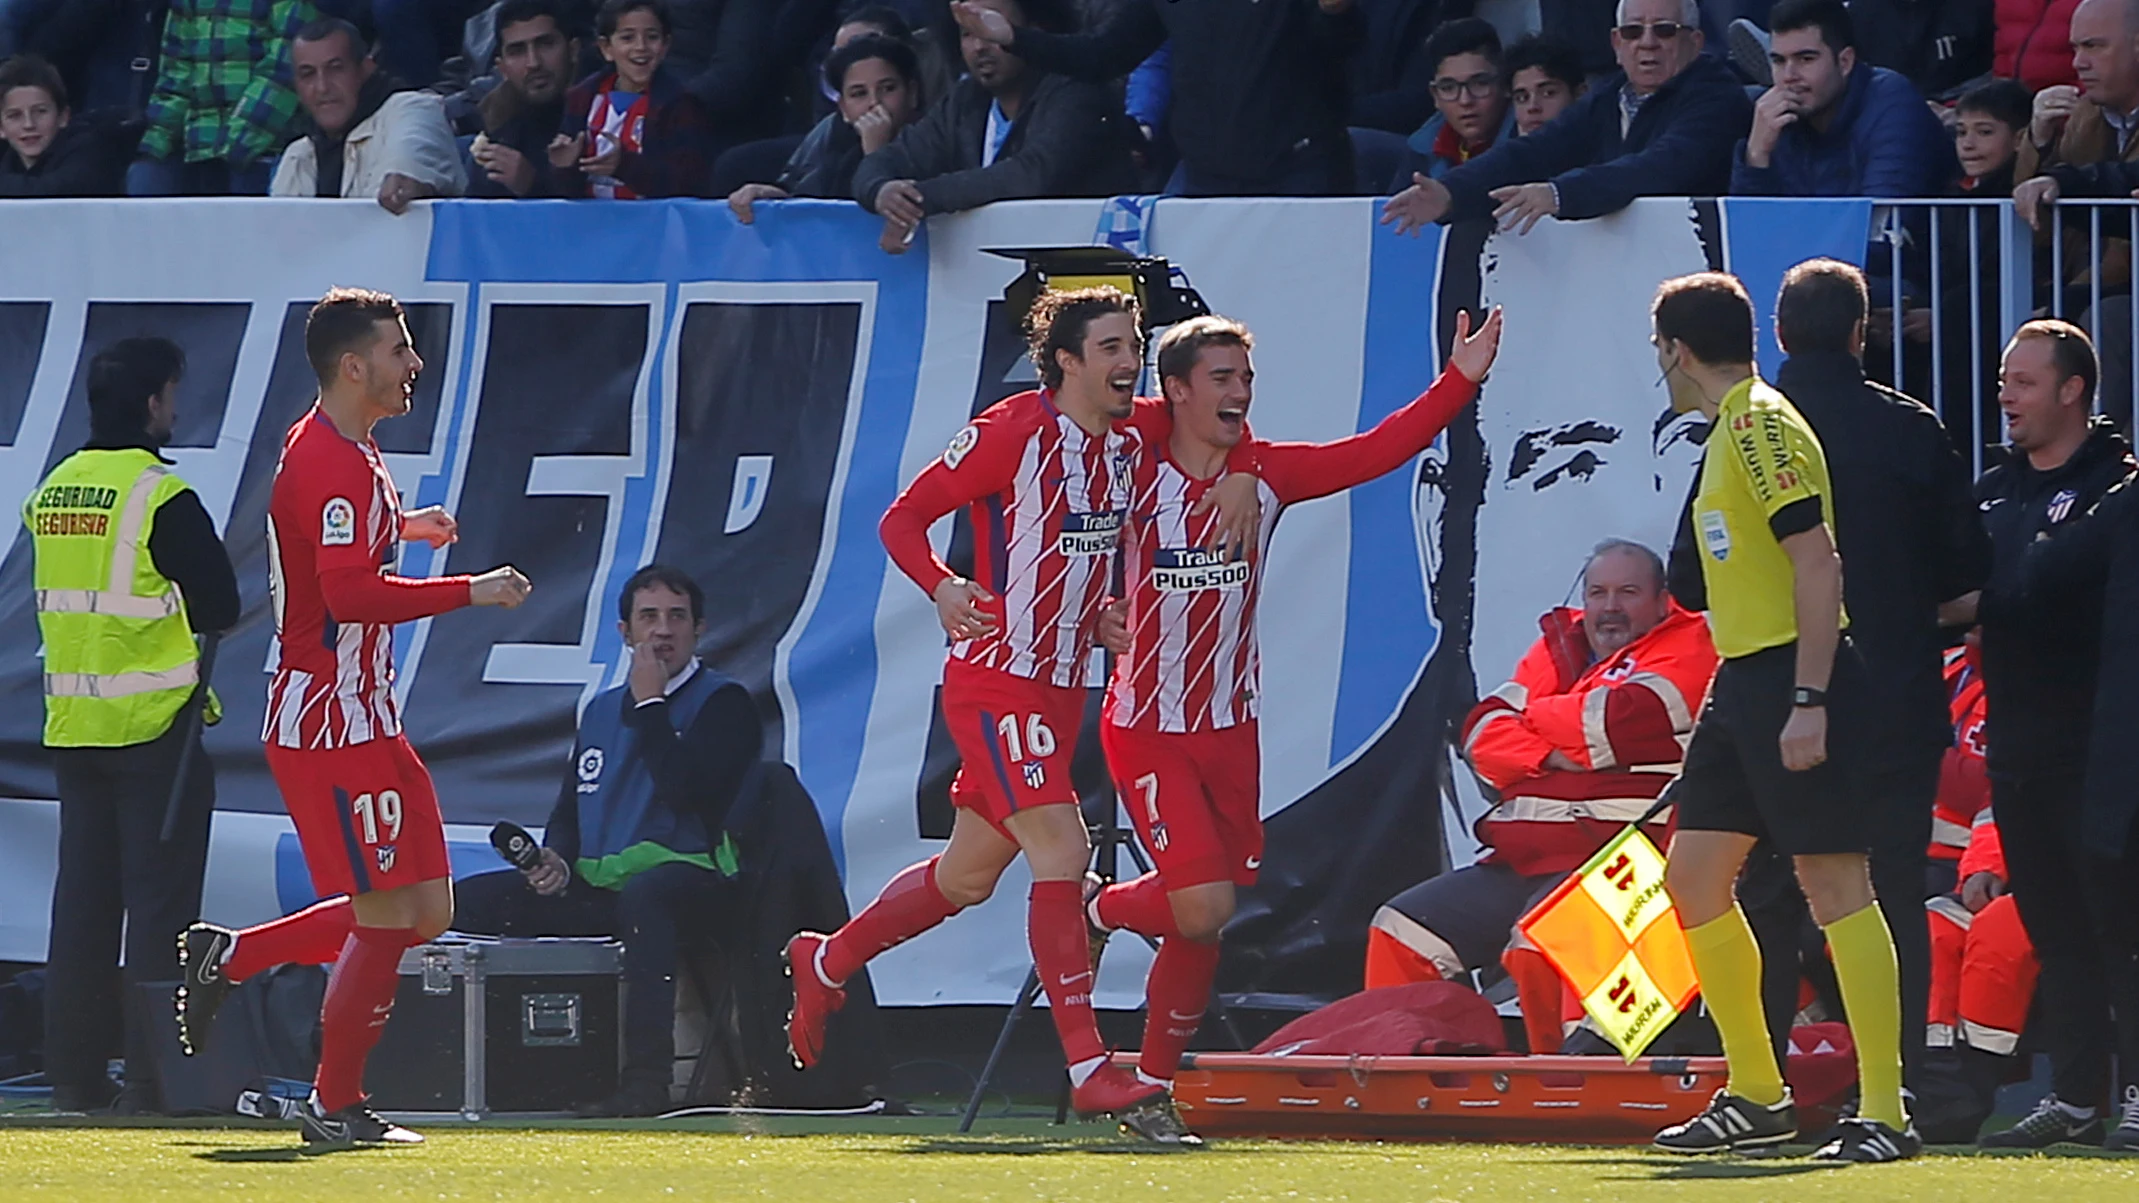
{"x":1715,"y":535}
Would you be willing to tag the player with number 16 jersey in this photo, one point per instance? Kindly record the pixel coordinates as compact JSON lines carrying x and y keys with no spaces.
{"x":1045,"y":477}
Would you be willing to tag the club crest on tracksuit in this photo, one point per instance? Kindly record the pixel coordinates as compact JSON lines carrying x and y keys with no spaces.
{"x":2061,"y":505}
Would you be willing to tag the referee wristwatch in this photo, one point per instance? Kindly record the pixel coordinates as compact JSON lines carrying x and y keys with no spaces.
{"x":1805,"y":697}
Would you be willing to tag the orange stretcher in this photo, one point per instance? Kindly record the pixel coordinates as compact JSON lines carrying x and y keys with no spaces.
{"x":1585,"y":1100}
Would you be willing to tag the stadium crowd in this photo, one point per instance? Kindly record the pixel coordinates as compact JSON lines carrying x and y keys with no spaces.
{"x":918,"y":106}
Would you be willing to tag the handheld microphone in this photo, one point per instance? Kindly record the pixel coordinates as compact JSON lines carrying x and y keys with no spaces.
{"x":518,"y":847}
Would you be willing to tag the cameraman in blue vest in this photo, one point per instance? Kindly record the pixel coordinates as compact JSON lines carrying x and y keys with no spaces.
{"x":636,"y":847}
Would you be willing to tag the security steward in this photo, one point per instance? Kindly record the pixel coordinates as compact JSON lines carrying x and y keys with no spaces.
{"x":2058,"y":725}
{"x":637,"y":845}
{"x":1912,"y":542}
{"x":1766,"y":761}
{"x":128,"y":569}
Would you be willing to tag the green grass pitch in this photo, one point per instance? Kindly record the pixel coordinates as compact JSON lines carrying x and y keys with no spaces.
{"x":924,"y":1160}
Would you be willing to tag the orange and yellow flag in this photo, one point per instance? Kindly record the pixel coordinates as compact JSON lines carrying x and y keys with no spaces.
{"x":1611,"y":931}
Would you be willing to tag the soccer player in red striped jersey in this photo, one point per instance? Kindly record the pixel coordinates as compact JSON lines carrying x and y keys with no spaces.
{"x":1046,"y":475}
{"x":1180,"y":721}
{"x":363,"y":805}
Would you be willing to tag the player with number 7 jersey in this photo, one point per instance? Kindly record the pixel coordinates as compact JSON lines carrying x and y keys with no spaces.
{"x":363,"y":805}
{"x":1045,"y":476}
{"x":1180,"y":720}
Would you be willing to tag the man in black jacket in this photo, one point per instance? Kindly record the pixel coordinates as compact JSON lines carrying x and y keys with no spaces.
{"x":1665,"y":125}
{"x":2041,"y":656}
{"x":536,"y":59}
{"x":637,"y":846}
{"x":1910,"y":541}
{"x":1258,"y":89}
{"x":1006,"y":131}
{"x":1943,"y":46}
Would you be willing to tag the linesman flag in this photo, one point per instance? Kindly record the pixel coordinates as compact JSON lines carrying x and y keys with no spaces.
{"x":1611,"y":931}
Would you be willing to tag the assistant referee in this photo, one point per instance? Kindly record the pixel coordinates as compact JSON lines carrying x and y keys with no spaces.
{"x":1765,"y":760}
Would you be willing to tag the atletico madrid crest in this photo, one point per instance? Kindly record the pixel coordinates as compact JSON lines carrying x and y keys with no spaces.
{"x":1035,"y":774}
{"x":384,"y":854}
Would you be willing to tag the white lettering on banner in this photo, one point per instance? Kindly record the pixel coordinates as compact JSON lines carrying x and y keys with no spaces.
{"x":603,"y":476}
{"x":753,"y":479}
{"x":1086,"y":535}
{"x":1193,"y":570}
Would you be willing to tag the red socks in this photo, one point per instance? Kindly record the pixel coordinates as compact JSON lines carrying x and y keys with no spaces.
{"x":1174,"y":997}
{"x":908,"y":905}
{"x":1540,"y":991}
{"x":1141,"y":906}
{"x":312,"y":936}
{"x":360,"y":996}
{"x":1055,"y":926}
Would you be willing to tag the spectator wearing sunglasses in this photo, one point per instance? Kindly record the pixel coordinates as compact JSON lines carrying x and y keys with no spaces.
{"x":1470,"y":100}
{"x":1663,"y":125}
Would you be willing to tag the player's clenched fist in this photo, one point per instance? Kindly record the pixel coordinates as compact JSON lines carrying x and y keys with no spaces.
{"x":499,"y":587}
{"x":958,"y":607}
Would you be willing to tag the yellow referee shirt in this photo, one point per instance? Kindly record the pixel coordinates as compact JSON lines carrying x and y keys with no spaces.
{"x":1763,"y":479}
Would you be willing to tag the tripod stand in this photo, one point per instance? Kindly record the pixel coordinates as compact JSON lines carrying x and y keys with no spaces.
{"x":1108,"y":838}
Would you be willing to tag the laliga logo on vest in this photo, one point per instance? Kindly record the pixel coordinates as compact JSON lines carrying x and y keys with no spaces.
{"x":590,"y":770}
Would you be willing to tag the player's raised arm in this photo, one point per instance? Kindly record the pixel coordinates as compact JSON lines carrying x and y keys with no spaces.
{"x":1303,"y":471}
{"x":979,"y":462}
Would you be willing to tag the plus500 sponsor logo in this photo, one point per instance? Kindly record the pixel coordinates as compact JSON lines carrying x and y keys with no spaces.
{"x":1192,"y":570}
{"x":1095,"y":534}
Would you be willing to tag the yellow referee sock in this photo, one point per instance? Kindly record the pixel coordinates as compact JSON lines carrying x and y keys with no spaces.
{"x":1728,"y":962}
{"x":1864,"y":967}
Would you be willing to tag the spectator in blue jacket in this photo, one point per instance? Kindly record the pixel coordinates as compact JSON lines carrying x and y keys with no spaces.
{"x":1663,"y":125}
{"x":1833,"y":125}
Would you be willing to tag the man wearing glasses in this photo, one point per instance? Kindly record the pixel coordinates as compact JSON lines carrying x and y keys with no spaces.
{"x":1664,"y":125}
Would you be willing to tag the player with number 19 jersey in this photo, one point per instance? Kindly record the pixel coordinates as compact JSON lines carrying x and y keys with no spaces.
{"x":362,"y":802}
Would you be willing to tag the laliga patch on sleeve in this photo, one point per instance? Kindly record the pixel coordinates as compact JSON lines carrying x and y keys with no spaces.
{"x":962,"y":442}
{"x":337,"y":523}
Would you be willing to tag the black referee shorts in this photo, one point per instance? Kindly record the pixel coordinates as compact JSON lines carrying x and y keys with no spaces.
{"x":1734,"y":779}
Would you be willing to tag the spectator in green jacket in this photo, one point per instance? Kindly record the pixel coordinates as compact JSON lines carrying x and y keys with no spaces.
{"x":223,"y":104}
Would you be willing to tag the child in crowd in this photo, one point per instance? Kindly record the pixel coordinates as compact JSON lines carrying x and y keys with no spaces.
{"x":632,"y":131}
{"x":1989,"y":124}
{"x":44,"y":153}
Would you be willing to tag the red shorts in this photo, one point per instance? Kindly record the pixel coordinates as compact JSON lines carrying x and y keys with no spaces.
{"x":366,"y":815}
{"x":1196,"y":800}
{"x":1015,"y":738}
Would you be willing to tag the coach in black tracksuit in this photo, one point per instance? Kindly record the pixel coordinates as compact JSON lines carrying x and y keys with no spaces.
{"x":2042,"y":649}
{"x":1909,"y":540}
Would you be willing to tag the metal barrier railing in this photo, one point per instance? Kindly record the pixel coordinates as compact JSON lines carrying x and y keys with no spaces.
{"x":1952,"y":279}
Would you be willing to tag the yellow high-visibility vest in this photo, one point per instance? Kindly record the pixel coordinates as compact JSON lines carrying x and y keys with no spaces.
{"x":120,"y":660}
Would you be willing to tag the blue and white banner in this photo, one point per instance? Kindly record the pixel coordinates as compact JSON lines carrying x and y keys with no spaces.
{"x":610,"y":384}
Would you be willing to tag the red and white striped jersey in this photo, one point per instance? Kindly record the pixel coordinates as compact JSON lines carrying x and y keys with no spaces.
{"x":333,"y":523}
{"x":1047,"y":500}
{"x":1193,"y":662}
